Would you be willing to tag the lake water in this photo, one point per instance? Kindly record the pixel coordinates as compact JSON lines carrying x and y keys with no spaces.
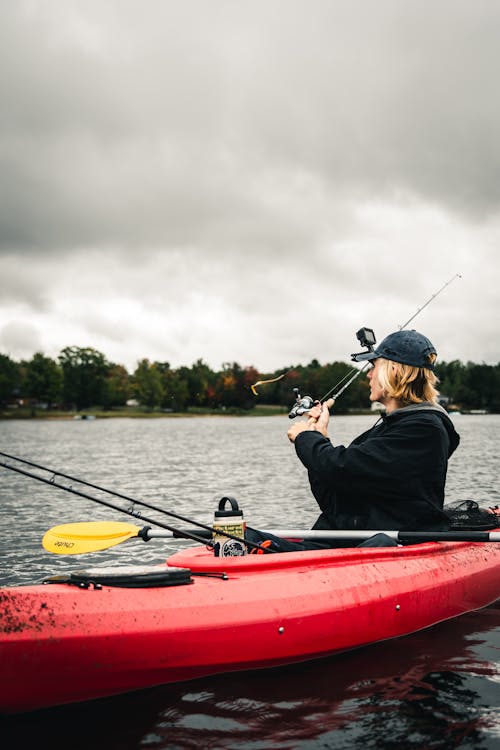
{"x":436,"y":689}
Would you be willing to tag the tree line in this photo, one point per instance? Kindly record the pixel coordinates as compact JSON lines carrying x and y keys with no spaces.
{"x":83,"y":378}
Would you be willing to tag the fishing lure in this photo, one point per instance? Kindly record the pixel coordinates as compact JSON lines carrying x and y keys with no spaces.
{"x":263,"y":382}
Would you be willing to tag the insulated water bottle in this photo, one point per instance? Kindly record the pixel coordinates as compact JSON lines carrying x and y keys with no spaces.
{"x":228,"y":521}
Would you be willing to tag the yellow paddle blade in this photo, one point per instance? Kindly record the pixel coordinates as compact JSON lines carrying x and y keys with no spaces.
{"x":90,"y":536}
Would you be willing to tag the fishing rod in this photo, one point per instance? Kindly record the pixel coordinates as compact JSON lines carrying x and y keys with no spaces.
{"x":366,"y":337}
{"x":303,"y":404}
{"x":129,"y":511}
{"x":433,"y":296}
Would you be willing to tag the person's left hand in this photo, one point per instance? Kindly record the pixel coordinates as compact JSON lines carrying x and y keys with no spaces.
{"x":296,"y":428}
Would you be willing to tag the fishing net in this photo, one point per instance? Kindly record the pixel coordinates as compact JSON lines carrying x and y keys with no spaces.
{"x":467,"y":514}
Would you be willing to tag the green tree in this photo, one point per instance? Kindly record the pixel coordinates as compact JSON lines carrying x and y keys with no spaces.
{"x":233,"y":386}
{"x":452,"y":379}
{"x":484,"y":382}
{"x":316,"y":380}
{"x":117,"y":386}
{"x":84,"y":373}
{"x":148,"y":385}
{"x":281,"y":391}
{"x":200,"y":380}
{"x":10,"y":378}
{"x":44,"y":379}
{"x":175,"y":388}
{"x":335,"y":375}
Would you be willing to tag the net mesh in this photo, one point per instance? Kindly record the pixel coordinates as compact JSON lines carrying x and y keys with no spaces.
{"x":468,"y":514}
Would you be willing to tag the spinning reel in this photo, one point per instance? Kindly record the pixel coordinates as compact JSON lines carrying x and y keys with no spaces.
{"x":303,"y":404}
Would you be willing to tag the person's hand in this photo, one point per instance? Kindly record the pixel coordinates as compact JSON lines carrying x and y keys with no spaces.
{"x":321,"y":423}
{"x":314,"y":412}
{"x":296,"y":428}
{"x":317,"y":419}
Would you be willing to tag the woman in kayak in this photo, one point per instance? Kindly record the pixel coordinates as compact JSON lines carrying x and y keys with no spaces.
{"x":392,"y":476}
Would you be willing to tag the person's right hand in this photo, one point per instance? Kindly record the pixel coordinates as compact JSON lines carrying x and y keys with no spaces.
{"x":315,"y":411}
{"x":321,"y":421}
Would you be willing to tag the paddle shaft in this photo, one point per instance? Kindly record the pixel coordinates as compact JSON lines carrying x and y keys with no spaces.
{"x":356,"y":535}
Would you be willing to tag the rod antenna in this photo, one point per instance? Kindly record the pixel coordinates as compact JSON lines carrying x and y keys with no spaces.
{"x":433,"y":296}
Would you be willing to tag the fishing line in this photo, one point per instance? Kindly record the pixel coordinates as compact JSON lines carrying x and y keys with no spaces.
{"x":433,"y":296}
{"x":351,"y":378}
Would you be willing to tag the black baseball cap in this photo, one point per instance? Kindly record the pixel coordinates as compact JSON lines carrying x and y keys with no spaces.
{"x":406,"y":347}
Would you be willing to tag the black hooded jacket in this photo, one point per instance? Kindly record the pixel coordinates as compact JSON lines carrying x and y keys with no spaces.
{"x":390,"y":477}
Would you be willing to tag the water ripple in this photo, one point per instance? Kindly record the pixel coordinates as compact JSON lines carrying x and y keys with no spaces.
{"x":435,"y":689}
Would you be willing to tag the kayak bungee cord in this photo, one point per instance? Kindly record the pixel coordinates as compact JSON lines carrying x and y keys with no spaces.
{"x":181,"y":533}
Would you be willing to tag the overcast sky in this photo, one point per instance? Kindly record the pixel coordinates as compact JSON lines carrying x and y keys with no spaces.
{"x":248,"y":180}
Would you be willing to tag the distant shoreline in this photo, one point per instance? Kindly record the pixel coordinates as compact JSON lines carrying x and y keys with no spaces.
{"x":127,"y":413}
{"x":28,"y":414}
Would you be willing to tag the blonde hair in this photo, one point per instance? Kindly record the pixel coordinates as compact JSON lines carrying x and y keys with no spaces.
{"x":406,"y":383}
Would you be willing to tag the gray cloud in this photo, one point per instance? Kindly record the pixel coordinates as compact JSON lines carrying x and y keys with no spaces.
{"x":18,"y":338}
{"x":21,"y":287}
{"x":248,"y":180}
{"x":186,"y":124}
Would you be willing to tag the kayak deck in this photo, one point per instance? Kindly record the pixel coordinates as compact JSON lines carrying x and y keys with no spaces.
{"x":61,"y":644}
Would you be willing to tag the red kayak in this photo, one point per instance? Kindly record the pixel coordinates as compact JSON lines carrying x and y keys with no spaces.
{"x":202,"y":615}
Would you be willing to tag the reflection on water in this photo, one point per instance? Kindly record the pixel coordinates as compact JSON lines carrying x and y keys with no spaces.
{"x":436,"y":689}
{"x":407,"y":687}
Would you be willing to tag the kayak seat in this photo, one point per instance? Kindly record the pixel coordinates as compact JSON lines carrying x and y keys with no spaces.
{"x":277,"y":544}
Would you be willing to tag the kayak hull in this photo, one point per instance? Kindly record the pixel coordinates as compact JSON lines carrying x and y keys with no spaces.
{"x":62,"y":644}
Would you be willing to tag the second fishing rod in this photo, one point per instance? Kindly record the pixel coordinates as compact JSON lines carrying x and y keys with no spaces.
{"x":219,"y":531}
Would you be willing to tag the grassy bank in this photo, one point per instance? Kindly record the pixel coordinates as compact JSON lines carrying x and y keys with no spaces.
{"x":137,"y":413}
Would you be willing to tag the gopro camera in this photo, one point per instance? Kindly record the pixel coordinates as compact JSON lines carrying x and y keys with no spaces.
{"x":366,"y":337}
